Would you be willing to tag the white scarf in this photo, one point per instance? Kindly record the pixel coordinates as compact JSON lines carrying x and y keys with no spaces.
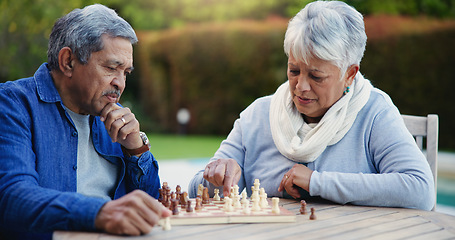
{"x":302,"y":142}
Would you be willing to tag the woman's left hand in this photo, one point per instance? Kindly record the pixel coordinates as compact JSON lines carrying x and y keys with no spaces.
{"x":298,"y":176}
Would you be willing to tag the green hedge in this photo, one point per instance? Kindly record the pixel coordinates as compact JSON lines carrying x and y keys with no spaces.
{"x":216,"y":70}
{"x":213,"y":70}
{"x":418,"y":72}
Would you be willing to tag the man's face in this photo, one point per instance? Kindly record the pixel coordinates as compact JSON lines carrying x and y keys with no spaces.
{"x":102,"y":80}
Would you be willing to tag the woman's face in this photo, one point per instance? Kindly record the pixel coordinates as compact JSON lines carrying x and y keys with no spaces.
{"x":317,"y":86}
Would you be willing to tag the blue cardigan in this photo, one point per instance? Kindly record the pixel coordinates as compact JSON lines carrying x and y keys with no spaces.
{"x":38,"y":162}
{"x":377,"y":162}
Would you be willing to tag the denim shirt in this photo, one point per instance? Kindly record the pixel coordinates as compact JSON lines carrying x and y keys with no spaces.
{"x":38,"y":163}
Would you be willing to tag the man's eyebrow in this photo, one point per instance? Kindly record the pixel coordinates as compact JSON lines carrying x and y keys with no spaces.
{"x":118,"y":63}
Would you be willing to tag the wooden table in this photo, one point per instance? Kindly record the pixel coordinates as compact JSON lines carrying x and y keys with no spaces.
{"x":333,"y":222}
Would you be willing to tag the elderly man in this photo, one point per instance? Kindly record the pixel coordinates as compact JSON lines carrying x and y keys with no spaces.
{"x":72,"y":157}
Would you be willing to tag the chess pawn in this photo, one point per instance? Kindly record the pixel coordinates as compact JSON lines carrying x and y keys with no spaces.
{"x":167,"y":224}
{"x":205,"y":196}
{"x":167,"y":194}
{"x":217,"y":194}
{"x":175,"y":207}
{"x":302,"y":207}
{"x":255,"y":207}
{"x":244,"y":197}
{"x":188,"y":206}
{"x":230,"y":208}
{"x":263,"y":199}
{"x":236,"y":201}
{"x":236,"y":190}
{"x":167,"y":200}
{"x":183,"y":198}
{"x":255,"y":195}
{"x":228,"y":205}
{"x":160,"y":197}
{"x":231,"y":193}
{"x":275,"y":206}
{"x":246,"y":206}
{"x":178,"y":192}
{"x":164,"y":185}
{"x":226,"y":201}
{"x":312,"y":216}
{"x":198,"y":204}
{"x":200,"y":189}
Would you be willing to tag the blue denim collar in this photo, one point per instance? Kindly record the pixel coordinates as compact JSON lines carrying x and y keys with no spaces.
{"x":46,"y":89}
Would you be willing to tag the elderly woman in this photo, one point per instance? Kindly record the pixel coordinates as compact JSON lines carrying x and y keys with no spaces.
{"x":326,"y":132}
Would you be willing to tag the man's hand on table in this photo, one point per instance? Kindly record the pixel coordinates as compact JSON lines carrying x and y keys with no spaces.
{"x":133,"y":214}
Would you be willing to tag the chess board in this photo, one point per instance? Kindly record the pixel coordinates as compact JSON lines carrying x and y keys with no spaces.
{"x":213,"y":213}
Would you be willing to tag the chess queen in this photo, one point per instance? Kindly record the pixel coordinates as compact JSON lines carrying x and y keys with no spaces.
{"x":326,"y":132}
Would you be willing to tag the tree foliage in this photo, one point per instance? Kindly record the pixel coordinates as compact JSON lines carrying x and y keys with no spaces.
{"x":216,"y":70}
{"x":25,"y":24}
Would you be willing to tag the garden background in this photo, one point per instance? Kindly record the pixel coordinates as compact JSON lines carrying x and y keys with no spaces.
{"x":214,"y":57}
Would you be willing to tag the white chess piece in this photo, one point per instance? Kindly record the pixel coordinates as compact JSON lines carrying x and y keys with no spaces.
{"x":200,"y":189}
{"x":228,"y":205}
{"x":226,"y":202}
{"x":246,"y":206}
{"x":244,"y":197}
{"x":236,"y":190}
{"x":255,"y":195}
{"x":167,"y":224}
{"x":236,"y":202}
{"x":263,"y":199}
{"x":275,"y":206}
{"x":231,"y":193}
{"x":217,"y":195}
{"x":255,"y":207}
{"x":256,"y":184}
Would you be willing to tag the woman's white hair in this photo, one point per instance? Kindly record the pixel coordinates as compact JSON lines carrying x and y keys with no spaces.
{"x":328,"y":30}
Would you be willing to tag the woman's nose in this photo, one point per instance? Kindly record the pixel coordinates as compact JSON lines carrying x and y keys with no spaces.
{"x":303,"y":84}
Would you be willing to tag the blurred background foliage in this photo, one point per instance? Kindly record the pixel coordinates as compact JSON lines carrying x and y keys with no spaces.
{"x":215,"y":57}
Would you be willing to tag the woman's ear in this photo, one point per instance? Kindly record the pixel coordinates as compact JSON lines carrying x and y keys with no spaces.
{"x":65,"y":61}
{"x":350,"y":74}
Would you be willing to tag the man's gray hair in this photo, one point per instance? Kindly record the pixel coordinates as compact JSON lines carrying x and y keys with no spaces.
{"x":328,"y":30}
{"x":82,"y":29}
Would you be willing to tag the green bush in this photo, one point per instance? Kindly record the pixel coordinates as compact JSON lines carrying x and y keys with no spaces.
{"x":418,"y":72}
{"x":213,"y":70}
{"x":217,"y":70}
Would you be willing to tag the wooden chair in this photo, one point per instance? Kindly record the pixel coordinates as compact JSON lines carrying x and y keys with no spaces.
{"x":426,"y":127}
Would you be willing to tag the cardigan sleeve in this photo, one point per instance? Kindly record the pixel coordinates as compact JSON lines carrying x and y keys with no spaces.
{"x":403,"y":177}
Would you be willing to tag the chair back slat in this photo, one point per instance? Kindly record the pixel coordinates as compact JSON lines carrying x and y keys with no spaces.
{"x":426,"y":127}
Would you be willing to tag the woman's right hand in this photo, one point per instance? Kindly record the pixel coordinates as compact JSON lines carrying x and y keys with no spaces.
{"x":223,"y":172}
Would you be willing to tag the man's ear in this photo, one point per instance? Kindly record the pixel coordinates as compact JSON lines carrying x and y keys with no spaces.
{"x":65,"y":61}
{"x":350,"y":73}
